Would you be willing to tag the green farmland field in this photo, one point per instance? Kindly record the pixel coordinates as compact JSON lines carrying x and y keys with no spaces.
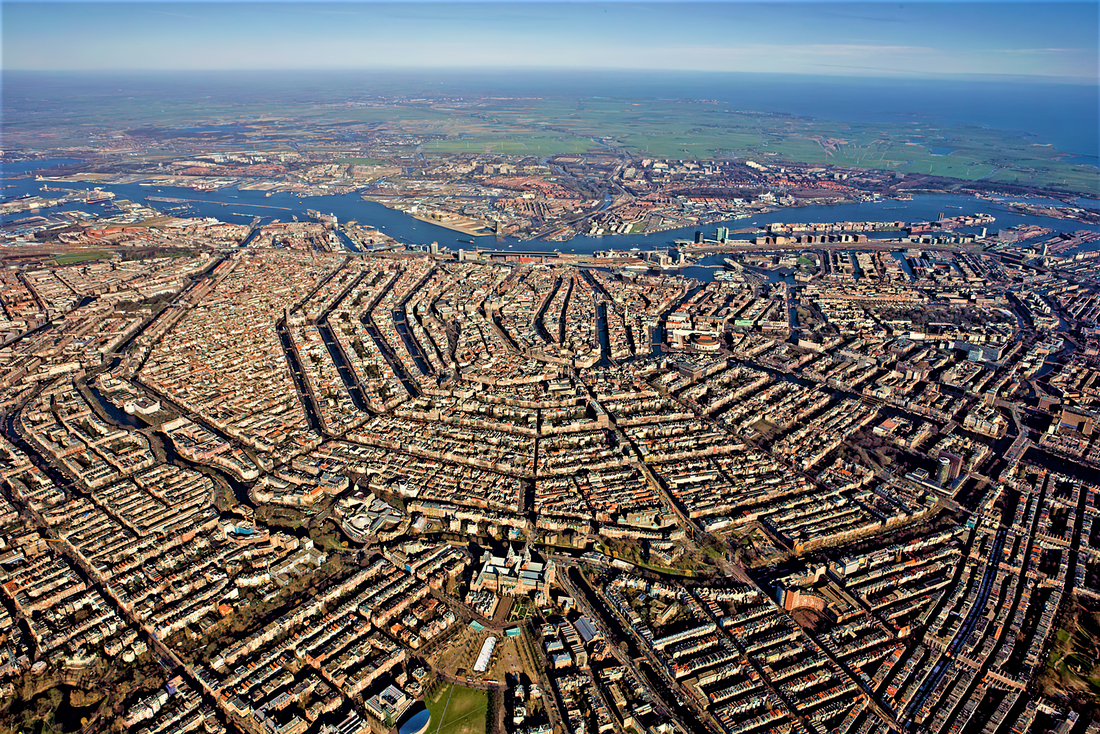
{"x":400,"y":120}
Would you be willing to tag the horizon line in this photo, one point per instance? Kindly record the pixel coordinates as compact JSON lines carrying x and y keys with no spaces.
{"x":872,"y":74}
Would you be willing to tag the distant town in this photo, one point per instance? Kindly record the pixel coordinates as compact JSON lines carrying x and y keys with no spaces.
{"x":298,"y":475}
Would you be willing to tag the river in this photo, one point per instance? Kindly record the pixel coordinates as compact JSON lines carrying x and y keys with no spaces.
{"x":242,"y":206}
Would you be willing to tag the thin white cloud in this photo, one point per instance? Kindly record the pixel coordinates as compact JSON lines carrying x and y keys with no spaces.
{"x":851,"y":49}
{"x":1039,"y":50}
{"x":788,"y":50}
{"x":174,"y":15}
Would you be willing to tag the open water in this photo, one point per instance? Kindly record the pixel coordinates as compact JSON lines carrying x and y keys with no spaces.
{"x":240,"y":207}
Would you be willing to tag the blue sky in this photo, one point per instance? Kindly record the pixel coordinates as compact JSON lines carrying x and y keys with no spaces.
{"x":910,"y":39}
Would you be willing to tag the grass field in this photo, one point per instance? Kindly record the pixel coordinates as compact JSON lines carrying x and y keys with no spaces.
{"x":1073,"y":667}
{"x":360,"y":161}
{"x":457,"y":710}
{"x":79,"y":257}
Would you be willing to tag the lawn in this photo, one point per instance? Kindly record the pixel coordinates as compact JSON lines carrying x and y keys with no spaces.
{"x":1073,"y":667}
{"x":521,"y":610}
{"x":79,"y":257}
{"x":457,"y":710}
{"x":361,"y":161}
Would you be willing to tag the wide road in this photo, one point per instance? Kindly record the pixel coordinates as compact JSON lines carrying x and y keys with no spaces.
{"x":663,"y":691}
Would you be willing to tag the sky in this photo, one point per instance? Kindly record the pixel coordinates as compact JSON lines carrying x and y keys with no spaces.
{"x":924,"y":39}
